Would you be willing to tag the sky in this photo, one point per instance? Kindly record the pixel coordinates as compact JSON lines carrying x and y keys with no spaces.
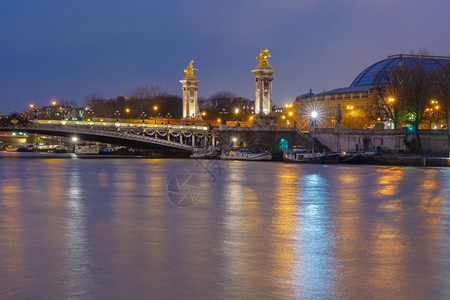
{"x":70,"y":49}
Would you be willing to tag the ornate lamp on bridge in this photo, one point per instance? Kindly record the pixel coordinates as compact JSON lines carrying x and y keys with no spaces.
{"x":117,"y":115}
{"x":143,"y":116}
{"x":168,"y":116}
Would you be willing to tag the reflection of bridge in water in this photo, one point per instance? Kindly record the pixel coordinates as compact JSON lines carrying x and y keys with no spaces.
{"x":159,"y":138}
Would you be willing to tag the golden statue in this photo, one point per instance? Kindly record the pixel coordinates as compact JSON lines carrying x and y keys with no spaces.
{"x":263,"y":55}
{"x":190,"y":71}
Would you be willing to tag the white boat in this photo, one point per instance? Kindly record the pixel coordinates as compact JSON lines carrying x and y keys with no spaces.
{"x":87,"y":148}
{"x":12,"y":148}
{"x":244,"y":155}
{"x":302,"y":155}
{"x":206,"y":153}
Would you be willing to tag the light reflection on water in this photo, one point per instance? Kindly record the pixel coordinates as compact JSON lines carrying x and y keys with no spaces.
{"x":105,"y":229}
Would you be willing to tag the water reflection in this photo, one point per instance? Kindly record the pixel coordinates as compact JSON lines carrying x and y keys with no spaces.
{"x":105,"y":229}
{"x":77,"y":266}
{"x":316,"y":237}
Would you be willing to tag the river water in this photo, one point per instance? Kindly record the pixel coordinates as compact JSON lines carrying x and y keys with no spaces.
{"x":187,"y":229}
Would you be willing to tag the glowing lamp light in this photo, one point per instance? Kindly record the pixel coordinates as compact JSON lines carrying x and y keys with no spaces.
{"x":391,"y":99}
{"x":234,"y":139}
{"x":74,"y":139}
{"x":314,"y":114}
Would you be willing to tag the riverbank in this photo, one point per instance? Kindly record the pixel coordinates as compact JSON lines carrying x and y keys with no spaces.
{"x":409,"y":161}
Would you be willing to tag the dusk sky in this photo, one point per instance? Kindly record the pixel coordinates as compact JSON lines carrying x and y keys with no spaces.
{"x":69,"y":49}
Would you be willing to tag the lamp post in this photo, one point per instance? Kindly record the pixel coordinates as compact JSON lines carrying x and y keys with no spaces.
{"x":117,"y":124}
{"x":143,"y":116}
{"x":223,"y":113}
{"x":168,"y":116}
{"x":127,"y":110}
{"x":313,"y":120}
{"x":64,"y":112}
{"x":35,"y":110}
{"x":155,"y":109}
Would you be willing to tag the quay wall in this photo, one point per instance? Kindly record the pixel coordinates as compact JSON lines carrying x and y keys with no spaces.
{"x":351,"y":140}
{"x":348,"y":140}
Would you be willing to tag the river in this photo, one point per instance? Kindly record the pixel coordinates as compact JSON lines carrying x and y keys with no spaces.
{"x":188,"y":229}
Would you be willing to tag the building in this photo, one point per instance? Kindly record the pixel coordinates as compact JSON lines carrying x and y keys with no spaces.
{"x":357,"y":100}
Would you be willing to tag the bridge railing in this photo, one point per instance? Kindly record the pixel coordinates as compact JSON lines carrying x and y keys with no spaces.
{"x":131,"y":133}
{"x":119,"y":124}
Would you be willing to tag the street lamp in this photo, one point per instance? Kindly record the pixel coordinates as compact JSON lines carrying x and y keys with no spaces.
{"x":223,"y":113}
{"x":117,"y":115}
{"x":143,"y":116}
{"x":168,"y":116}
{"x":127,"y":110}
{"x":64,"y":112}
{"x":34,"y":109}
{"x":155,"y":108}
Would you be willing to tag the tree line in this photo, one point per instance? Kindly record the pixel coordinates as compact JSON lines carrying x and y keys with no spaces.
{"x":413,"y":95}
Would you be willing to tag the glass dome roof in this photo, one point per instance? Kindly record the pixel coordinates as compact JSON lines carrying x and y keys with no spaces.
{"x":373,"y":74}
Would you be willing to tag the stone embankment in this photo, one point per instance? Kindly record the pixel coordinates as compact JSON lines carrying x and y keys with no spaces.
{"x":410,"y":161}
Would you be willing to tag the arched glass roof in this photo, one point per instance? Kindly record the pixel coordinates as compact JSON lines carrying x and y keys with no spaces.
{"x":374,"y":73}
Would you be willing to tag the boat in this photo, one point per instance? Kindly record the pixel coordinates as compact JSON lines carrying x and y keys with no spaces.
{"x":245,"y":155}
{"x":12,"y":148}
{"x":206,"y":153}
{"x":26,"y":148}
{"x":59,"y":149}
{"x":87,"y":148}
{"x":116,"y":150}
{"x":302,"y":155}
{"x":358,"y":158}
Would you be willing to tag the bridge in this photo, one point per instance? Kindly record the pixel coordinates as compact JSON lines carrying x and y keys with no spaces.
{"x":160,"y":138}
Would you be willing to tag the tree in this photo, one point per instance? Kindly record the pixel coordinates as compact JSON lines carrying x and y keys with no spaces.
{"x":224,"y":104}
{"x":441,"y":80}
{"x":388,"y":96}
{"x":355,"y":118}
{"x":417,"y":92}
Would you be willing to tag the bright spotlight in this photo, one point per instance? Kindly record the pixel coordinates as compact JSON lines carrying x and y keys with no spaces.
{"x":314,"y":114}
{"x":74,"y":139}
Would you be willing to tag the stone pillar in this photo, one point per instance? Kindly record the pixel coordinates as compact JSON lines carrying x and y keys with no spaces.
{"x":190,"y":107}
{"x":263,"y":90}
